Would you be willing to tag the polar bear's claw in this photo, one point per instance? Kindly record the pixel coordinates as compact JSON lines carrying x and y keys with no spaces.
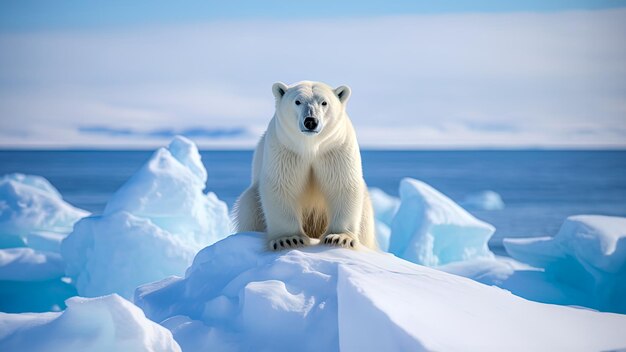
{"x":288,"y":242}
{"x":340,"y":240}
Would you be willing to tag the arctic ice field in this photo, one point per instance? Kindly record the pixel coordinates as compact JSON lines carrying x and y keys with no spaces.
{"x":160,"y":270}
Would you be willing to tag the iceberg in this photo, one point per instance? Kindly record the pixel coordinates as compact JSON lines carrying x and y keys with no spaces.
{"x":484,"y":200}
{"x":30,"y":205}
{"x":151,"y":228}
{"x":168,"y":190}
{"x":588,"y":254}
{"x":238,"y":296}
{"x":107,"y":323}
{"x":431,"y":229}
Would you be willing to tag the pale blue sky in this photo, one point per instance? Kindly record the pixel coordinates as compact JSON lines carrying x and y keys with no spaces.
{"x":41,"y":14}
{"x":424,"y":74}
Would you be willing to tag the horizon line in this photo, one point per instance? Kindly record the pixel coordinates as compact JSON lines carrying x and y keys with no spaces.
{"x":363,"y":149}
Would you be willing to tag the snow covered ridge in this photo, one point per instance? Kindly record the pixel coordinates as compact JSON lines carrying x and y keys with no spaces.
{"x":104,"y":324}
{"x":237,"y":296}
{"x":588,"y":253}
{"x":151,"y":227}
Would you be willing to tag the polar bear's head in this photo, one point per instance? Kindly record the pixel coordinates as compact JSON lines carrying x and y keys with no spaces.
{"x":309,"y":107}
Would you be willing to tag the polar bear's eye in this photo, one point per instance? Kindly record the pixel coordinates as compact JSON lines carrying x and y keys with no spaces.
{"x":297,"y":102}
{"x":324,"y":103}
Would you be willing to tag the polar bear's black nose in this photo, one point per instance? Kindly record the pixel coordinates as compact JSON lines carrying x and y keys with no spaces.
{"x":311,"y":123}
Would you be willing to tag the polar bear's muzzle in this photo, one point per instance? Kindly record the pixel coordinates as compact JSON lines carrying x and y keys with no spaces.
{"x":311,"y":125}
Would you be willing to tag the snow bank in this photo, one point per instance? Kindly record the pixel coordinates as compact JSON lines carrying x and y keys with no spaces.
{"x":238,"y":296}
{"x":484,"y":200}
{"x":29,"y":204}
{"x":431,"y":229}
{"x":385,"y":208}
{"x":151,"y":228}
{"x":588,"y":253}
{"x":104,"y":324}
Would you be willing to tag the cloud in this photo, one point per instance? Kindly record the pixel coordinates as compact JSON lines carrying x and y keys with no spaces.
{"x":506,"y":79}
{"x":163,"y":133}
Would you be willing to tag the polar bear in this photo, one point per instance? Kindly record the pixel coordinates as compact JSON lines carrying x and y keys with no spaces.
{"x":307,"y":180}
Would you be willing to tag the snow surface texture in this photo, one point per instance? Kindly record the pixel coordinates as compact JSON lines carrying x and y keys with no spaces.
{"x":485,"y":200}
{"x":588,"y":253}
{"x":105,"y":324}
{"x":151,"y":228}
{"x":237,"y":296}
{"x":431,"y":229}
{"x":31,"y":207}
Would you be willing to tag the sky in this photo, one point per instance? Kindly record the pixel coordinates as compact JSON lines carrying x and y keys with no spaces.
{"x":424,"y":74}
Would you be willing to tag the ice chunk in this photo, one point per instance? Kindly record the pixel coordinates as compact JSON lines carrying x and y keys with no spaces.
{"x":237,"y":296}
{"x":383,"y":232}
{"x":118,"y":252}
{"x":385,"y":206}
{"x":430,"y":229}
{"x":150,"y":229}
{"x":46,"y":241}
{"x":107,"y":323}
{"x":30,"y":203}
{"x":168,"y":191}
{"x":484,"y":200}
{"x":26,"y":264}
{"x":522,"y":280}
{"x":588,"y":253}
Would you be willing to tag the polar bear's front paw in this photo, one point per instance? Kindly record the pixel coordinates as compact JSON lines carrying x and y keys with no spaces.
{"x":340,"y":240}
{"x":287,"y":242}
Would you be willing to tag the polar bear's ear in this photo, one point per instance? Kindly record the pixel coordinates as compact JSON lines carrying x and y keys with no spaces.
{"x":279,"y":89}
{"x":343,"y":93}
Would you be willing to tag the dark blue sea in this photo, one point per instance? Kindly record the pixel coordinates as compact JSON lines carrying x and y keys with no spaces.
{"x":540,"y":188}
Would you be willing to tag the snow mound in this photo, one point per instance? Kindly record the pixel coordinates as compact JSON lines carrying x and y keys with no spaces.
{"x":104,"y":324}
{"x":588,"y":253}
{"x":30,"y":203}
{"x":431,"y":229}
{"x":237,"y":296}
{"x":151,"y":228}
{"x":484,"y":200}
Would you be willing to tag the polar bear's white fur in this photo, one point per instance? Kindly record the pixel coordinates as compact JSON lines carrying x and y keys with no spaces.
{"x":307,"y":180}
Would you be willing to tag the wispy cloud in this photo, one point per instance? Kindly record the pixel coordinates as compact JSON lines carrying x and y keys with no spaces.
{"x":505,"y":79}
{"x":194,"y":132}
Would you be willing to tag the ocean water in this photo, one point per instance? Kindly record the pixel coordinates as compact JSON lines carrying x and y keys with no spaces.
{"x":540,"y":188}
